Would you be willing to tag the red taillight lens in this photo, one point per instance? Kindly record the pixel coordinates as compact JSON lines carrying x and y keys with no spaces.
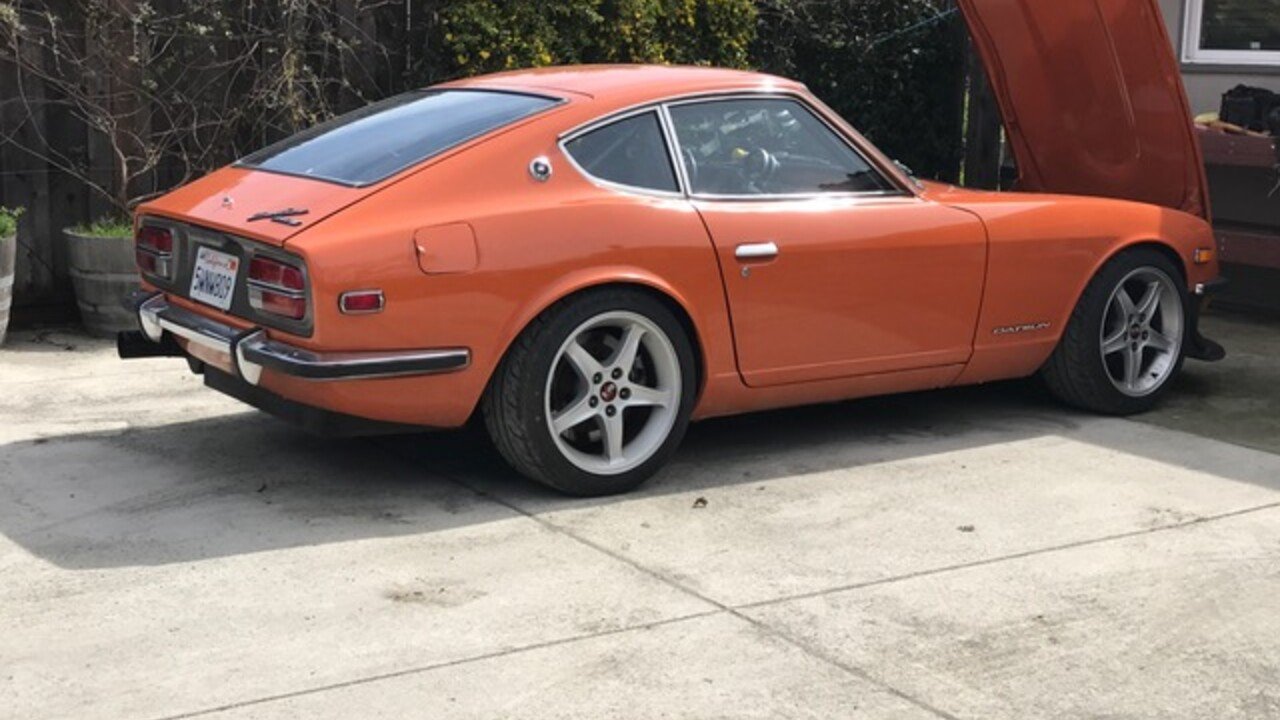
{"x":273,"y":272}
{"x":147,"y":262}
{"x":154,"y":248}
{"x":281,"y":304}
{"x":155,"y":239}
{"x":361,"y":302}
{"x":277,"y":288}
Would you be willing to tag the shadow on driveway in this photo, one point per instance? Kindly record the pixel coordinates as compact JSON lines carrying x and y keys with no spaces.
{"x":248,"y":483}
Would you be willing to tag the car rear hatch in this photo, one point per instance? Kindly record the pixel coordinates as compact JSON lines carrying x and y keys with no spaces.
{"x":283,"y":189}
{"x":219,"y":240}
{"x":1092,"y":99}
{"x":263,"y":206}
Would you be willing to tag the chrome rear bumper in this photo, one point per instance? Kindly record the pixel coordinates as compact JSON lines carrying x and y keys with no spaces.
{"x":251,"y":350}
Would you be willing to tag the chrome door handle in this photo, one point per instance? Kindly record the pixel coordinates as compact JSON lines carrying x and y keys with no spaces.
{"x":756,"y":251}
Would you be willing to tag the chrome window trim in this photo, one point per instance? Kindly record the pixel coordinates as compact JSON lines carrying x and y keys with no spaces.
{"x":673,"y":149}
{"x":679,"y":193}
{"x":903,"y":189}
{"x":784,"y":197}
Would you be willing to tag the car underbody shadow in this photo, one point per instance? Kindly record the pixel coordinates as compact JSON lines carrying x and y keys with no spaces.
{"x":248,"y":483}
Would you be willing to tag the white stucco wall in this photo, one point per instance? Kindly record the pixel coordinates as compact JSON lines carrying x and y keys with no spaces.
{"x":1205,"y":84}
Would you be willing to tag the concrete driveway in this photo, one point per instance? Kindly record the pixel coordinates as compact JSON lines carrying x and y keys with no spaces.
{"x":979,"y":553}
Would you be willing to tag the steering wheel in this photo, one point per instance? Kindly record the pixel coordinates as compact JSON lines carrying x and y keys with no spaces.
{"x":759,"y":166}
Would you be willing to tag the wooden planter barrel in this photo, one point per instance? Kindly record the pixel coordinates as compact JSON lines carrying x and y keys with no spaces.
{"x":8,"y":257}
{"x":103,"y":273}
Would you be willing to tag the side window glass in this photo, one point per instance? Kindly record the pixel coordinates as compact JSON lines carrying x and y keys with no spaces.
{"x":767,"y":146}
{"x":628,"y":152}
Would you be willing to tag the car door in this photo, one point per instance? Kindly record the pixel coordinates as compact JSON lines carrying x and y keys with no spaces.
{"x":830,"y":269}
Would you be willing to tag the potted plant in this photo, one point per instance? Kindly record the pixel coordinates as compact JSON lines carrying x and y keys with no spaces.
{"x":101,"y":263}
{"x":150,"y":89}
{"x":8,"y":257}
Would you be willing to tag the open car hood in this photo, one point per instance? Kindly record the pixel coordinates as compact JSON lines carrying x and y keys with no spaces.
{"x":1092,"y":99}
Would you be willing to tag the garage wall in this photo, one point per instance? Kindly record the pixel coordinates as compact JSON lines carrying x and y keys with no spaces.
{"x":1206,"y":83}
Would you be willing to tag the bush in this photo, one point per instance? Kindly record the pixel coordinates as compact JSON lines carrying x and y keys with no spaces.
{"x":892,"y":68}
{"x":482,"y":36}
{"x":105,"y":227}
{"x":9,"y":221}
{"x":171,"y":89}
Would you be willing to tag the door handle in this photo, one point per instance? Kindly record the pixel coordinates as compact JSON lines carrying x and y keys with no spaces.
{"x":756,"y":251}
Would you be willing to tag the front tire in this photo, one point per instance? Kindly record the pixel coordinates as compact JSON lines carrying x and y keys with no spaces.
{"x":1124,"y":344}
{"x":595,"y":395}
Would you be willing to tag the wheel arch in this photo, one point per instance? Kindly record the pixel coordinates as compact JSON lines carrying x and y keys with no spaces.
{"x":575,"y":285}
{"x":1161,"y":246}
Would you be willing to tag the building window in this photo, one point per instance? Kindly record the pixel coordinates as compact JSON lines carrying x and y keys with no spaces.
{"x":1232,"y":32}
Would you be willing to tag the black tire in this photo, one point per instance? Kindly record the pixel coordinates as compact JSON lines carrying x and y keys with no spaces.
{"x":514,"y":403}
{"x":1076,"y":372}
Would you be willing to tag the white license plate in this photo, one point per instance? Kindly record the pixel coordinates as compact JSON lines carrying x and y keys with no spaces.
{"x":214,"y":278}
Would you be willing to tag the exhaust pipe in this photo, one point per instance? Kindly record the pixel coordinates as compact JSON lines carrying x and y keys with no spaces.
{"x":133,"y":344}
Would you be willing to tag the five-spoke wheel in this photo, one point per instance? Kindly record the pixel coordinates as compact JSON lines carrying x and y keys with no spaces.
{"x":596,"y":394}
{"x":613,"y":392}
{"x":1142,"y":331}
{"x":1124,"y":342}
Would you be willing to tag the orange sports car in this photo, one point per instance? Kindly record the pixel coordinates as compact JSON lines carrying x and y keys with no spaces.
{"x":588,"y":258}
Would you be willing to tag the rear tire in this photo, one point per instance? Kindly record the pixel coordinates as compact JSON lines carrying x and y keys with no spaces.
{"x":1125,"y":341}
{"x":595,"y":395}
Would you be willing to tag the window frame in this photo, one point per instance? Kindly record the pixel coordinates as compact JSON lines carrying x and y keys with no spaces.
{"x":897,"y":186}
{"x":894,"y":188}
{"x":602,"y":123}
{"x":556,"y":101}
{"x":1193,"y":54}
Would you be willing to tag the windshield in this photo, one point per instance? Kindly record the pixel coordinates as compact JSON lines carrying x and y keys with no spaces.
{"x":375,"y":142}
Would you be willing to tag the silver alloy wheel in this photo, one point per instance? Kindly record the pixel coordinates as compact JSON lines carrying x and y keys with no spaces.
{"x":613,"y":393}
{"x":1142,"y":332}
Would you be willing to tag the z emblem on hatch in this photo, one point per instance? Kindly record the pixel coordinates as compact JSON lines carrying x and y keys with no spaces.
{"x":284,"y":217}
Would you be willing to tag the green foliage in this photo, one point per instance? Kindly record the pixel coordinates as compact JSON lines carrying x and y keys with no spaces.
{"x":174,"y":88}
{"x":9,"y":221}
{"x":482,"y":36}
{"x":105,"y":227}
{"x":892,"y":68}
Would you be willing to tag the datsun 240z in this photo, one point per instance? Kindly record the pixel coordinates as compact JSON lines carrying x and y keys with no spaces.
{"x":588,"y":258}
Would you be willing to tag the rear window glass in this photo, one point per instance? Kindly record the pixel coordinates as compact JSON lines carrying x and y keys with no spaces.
{"x":378,"y":141}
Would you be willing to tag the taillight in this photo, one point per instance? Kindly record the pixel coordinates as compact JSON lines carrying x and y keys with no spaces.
{"x":276,"y":274}
{"x":154,"y":250}
{"x":361,"y":302}
{"x":277,"y":288}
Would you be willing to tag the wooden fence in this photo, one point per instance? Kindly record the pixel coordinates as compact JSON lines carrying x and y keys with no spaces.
{"x":33,"y":116}
{"x":30,"y":115}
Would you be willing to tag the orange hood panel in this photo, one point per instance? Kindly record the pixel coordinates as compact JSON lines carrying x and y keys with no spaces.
{"x":226,"y":199}
{"x":1092,"y":99}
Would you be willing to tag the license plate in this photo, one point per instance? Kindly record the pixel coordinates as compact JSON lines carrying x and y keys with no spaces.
{"x":214,"y":278}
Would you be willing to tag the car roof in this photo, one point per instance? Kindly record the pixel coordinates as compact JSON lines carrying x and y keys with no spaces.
{"x":620,"y":85}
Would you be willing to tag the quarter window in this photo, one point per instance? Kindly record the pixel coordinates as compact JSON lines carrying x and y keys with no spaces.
{"x":628,"y":152}
{"x":767,"y":146}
